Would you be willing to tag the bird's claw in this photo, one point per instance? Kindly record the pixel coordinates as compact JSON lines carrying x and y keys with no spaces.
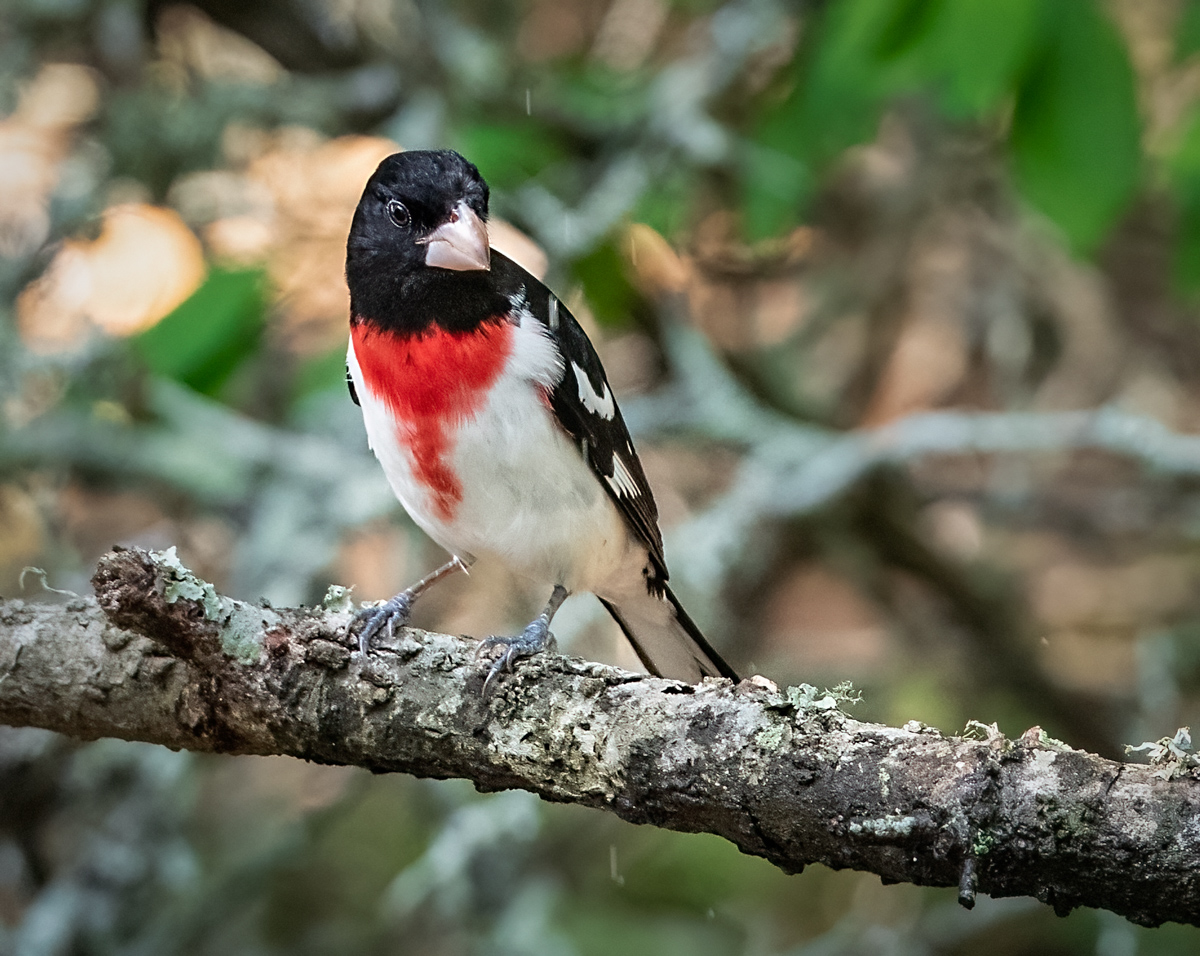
{"x":533,"y":640}
{"x":372,"y":620}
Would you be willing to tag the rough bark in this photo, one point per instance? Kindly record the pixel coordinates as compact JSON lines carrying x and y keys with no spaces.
{"x":160,"y":656}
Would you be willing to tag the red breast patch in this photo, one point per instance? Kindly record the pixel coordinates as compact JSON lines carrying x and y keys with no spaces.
{"x":432,"y":383}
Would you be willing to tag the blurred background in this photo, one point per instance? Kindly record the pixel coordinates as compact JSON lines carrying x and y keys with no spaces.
{"x":812,"y":242}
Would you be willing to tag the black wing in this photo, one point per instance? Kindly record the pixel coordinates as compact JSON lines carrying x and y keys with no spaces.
{"x":585,"y":407}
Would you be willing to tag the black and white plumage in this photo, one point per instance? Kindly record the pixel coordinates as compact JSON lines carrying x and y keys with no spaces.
{"x":493,"y":419}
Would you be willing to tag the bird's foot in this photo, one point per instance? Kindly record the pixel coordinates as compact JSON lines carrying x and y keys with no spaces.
{"x":389,"y":616}
{"x":535,"y":639}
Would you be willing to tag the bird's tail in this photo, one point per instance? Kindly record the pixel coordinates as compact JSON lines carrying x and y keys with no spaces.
{"x":666,"y":639}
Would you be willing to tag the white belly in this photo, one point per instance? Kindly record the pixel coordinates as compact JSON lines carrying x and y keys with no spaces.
{"x":527,"y":496}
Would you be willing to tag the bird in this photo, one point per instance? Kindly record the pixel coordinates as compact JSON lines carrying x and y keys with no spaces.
{"x":487,"y":407}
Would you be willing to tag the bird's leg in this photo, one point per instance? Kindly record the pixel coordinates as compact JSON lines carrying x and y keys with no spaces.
{"x":534,"y":639}
{"x":372,"y":620}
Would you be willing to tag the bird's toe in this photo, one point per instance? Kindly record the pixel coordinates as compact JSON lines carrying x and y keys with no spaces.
{"x":535,"y":639}
{"x":389,"y":615}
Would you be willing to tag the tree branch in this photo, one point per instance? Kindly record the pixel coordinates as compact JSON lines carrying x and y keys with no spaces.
{"x":160,"y":656}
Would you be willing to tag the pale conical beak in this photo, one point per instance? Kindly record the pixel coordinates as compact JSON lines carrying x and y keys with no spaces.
{"x":461,"y":243}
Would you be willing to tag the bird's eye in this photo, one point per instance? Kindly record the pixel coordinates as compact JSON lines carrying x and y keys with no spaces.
{"x":398,"y":213}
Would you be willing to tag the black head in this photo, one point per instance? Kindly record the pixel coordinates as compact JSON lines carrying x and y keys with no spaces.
{"x":419,"y":231}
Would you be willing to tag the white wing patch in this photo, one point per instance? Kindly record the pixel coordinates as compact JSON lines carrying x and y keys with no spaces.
{"x":604,"y":406}
{"x":534,"y":355}
{"x":621,"y":481}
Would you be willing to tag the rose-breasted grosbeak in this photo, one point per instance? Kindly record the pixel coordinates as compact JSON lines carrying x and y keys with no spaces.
{"x":490,"y":412}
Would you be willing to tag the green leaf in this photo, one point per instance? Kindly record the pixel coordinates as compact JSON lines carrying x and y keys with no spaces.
{"x":1187,"y":250}
{"x":842,"y":84}
{"x":775,"y":189}
{"x":1184,"y":170}
{"x":667,"y":207}
{"x":598,"y":99}
{"x":976,"y":50}
{"x":507,"y":154}
{"x":208,"y":336}
{"x":905,"y":27}
{"x":1187,"y":34}
{"x":605,"y":283}
{"x":837,"y":87}
{"x":1075,"y":131}
{"x":321,"y":373}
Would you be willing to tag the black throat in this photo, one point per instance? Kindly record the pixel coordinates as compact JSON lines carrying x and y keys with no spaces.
{"x":410,"y":301}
